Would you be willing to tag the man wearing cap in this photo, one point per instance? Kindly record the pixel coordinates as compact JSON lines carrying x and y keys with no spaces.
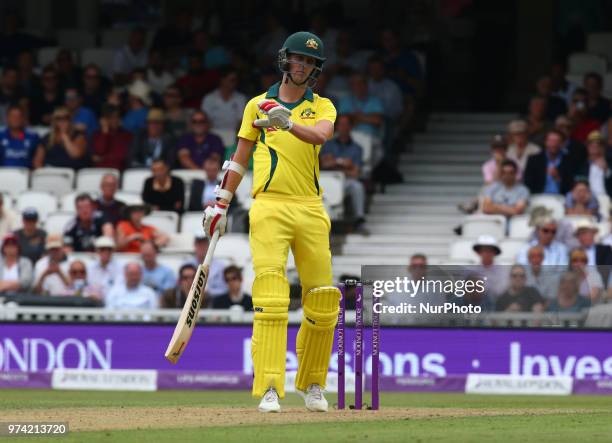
{"x":555,"y":253}
{"x":496,"y":277}
{"x":111,"y":143}
{"x":51,"y":271}
{"x":8,"y":219}
{"x":152,"y":142}
{"x":596,"y":166}
{"x":31,"y":238}
{"x":105,"y":272}
{"x":551,"y":171}
{"x":597,"y":254}
{"x":506,"y":196}
{"x":520,"y":148}
{"x":139,"y":102}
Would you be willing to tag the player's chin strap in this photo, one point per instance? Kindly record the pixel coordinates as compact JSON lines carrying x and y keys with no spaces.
{"x":228,"y":165}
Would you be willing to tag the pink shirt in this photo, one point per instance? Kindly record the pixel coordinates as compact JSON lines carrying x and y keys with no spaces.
{"x":489,"y":168}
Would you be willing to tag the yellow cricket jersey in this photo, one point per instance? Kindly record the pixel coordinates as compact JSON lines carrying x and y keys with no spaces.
{"x":282,"y":163}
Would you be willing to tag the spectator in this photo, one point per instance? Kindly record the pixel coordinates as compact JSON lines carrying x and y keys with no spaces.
{"x":561,"y":87}
{"x":578,"y":112}
{"x":131,"y":293}
{"x":16,"y":141}
{"x":344,"y":60}
{"x":105,"y":271}
{"x":365,"y":109}
{"x":9,"y":87}
{"x":68,"y":72}
{"x":568,"y":299}
{"x":78,"y":284}
{"x":537,"y":125}
{"x":580,"y":200}
{"x":15,"y":271}
{"x":225,"y":104}
{"x":202,"y":192}
{"x":175,"y":297}
{"x":235,"y":295}
{"x":8,"y":219}
{"x":473,"y":296}
{"x":496,"y":277}
{"x":132,"y":232}
{"x":520,"y":148}
{"x":197,"y":82}
{"x":403,"y":65}
{"x":162,"y":191}
{"x":155,"y":275}
{"x":519,"y":297}
{"x":50,"y":98}
{"x":598,"y":107}
{"x":95,"y":88}
{"x":157,"y":75}
{"x":83,"y":118}
{"x":195,"y":147}
{"x":342,"y":153}
{"x":81,"y":233}
{"x":555,"y":106}
{"x":139,"y":102}
{"x":575,"y":150}
{"x":216,"y":285}
{"x":591,"y":285}
{"x":51,"y":271}
{"x":506,"y":197}
{"x":64,"y":146}
{"x":215,"y":56}
{"x":379,"y":85}
{"x":177,"y":117}
{"x":111,"y":143}
{"x":555,"y":253}
{"x":597,"y":254}
{"x":110,"y":208}
{"x":596,"y":166}
{"x":129,"y":57}
{"x":31,"y":239}
{"x":544,"y":279}
{"x":550,"y":172}
{"x":492,"y":168}
{"x":152,"y":143}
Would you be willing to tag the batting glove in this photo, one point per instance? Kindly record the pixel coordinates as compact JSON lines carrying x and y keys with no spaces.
{"x":277,"y":116}
{"x":215,"y":219}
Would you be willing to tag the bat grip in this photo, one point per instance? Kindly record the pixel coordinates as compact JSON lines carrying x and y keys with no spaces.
{"x":211,"y":249}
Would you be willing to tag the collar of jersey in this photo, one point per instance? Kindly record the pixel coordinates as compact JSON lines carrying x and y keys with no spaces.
{"x":273,"y":93}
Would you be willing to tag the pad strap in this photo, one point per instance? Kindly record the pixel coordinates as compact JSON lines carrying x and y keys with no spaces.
{"x":233,"y":166}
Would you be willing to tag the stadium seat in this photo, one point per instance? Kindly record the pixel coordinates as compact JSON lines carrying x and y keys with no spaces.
{"x":114,"y":38}
{"x":126,"y":257}
{"x":552,"y":202}
{"x":366,"y":141}
{"x":89,"y":179}
{"x":14,"y":181}
{"x":133,"y":179}
{"x":600,"y":43}
{"x":129,"y":198}
{"x":44,"y":202}
{"x":604,"y":229}
{"x":58,"y":181}
{"x":191,"y":222}
{"x":173,"y":261}
{"x":7,"y":200}
{"x":510,"y":249}
{"x":41,"y":131}
{"x":55,"y":223}
{"x":102,"y":57}
{"x":480,"y":224}
{"x":46,"y":55}
{"x":519,"y":227}
{"x":181,"y":242}
{"x":583,"y":62}
{"x":234,"y":247}
{"x":604,"y":206}
{"x":165,"y":221}
{"x":75,"y":38}
{"x":462,"y":250}
{"x":332,"y":183}
{"x":243,"y":193}
{"x":188,"y":175}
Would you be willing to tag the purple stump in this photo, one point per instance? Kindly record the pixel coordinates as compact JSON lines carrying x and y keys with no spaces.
{"x":375,"y":353}
{"x":358,"y":346}
{"x":341,"y":358}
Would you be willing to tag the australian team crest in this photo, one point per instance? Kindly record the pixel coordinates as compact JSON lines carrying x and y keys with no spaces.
{"x":307,"y":113}
{"x":312,"y":43}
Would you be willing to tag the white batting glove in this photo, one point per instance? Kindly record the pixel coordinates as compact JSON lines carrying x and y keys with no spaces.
{"x":215,"y":219}
{"x":277,"y":116}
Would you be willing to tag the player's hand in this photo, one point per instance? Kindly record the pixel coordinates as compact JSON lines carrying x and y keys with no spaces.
{"x":277,"y":116}
{"x":215,"y":219}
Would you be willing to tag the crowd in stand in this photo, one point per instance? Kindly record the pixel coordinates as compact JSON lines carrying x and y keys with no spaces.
{"x":164,"y":107}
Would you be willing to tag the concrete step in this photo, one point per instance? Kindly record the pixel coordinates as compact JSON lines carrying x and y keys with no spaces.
{"x":442,"y":179}
{"x":404,"y":240}
{"x":402,"y":196}
{"x":448,"y":158}
{"x":411,"y":229}
{"x":452,"y":137}
{"x":391,"y":250}
{"x":412,"y":217}
{"x":447,"y":210}
{"x":446,"y":148}
{"x":441,"y":170}
{"x":433,"y":189}
{"x":458,"y":127}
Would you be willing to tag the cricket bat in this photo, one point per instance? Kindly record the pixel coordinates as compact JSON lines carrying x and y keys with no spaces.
{"x":191,"y":310}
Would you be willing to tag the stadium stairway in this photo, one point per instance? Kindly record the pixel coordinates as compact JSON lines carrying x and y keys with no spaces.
{"x":441,"y":170}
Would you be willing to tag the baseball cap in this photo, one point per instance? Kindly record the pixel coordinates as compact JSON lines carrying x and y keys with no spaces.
{"x":104,"y":242}
{"x":156,"y":115}
{"x":517,"y":127}
{"x":30,"y":214}
{"x":54,"y":241}
{"x":10,"y":238}
{"x":594,"y":136}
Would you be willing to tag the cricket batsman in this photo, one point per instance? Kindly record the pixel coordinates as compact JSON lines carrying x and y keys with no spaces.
{"x":285,"y":127}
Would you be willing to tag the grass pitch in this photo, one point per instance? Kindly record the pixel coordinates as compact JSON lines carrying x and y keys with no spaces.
{"x":219,"y":416}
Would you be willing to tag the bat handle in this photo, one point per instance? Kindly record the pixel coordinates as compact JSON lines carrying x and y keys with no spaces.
{"x":211,"y":248}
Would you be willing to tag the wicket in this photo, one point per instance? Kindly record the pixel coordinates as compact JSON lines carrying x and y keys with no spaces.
{"x":358,"y":349}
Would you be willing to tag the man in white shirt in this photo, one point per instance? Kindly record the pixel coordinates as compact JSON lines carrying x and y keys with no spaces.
{"x":130,"y":56}
{"x":105,"y":272}
{"x":51,"y":271}
{"x":132,"y":293}
{"x":225,"y":105}
{"x":555,"y":253}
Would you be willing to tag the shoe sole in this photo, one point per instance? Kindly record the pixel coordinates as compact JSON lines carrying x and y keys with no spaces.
{"x":269,"y":410}
{"x":317,"y":410}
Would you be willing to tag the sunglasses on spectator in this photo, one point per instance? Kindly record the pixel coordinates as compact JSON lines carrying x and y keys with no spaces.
{"x":77,"y":272}
{"x":548,"y":231}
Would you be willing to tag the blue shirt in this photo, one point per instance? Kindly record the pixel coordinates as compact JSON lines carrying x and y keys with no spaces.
{"x":343,"y":150}
{"x":18,"y":151}
{"x":135,"y":120}
{"x":85,"y":116}
{"x":350,"y":104}
{"x":159,"y":279}
{"x":552,"y":185}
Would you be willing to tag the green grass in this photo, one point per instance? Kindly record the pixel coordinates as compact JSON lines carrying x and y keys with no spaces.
{"x":595,"y":426}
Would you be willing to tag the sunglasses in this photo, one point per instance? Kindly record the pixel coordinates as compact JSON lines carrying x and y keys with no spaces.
{"x":77,"y":272}
{"x":549,"y":231}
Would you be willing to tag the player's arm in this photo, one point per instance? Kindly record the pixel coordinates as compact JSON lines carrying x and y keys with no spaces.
{"x":232,"y":178}
{"x":317,"y":135}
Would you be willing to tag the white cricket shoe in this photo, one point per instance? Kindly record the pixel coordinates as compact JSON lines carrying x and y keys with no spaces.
{"x":315,"y":401}
{"x":269,"y":402}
